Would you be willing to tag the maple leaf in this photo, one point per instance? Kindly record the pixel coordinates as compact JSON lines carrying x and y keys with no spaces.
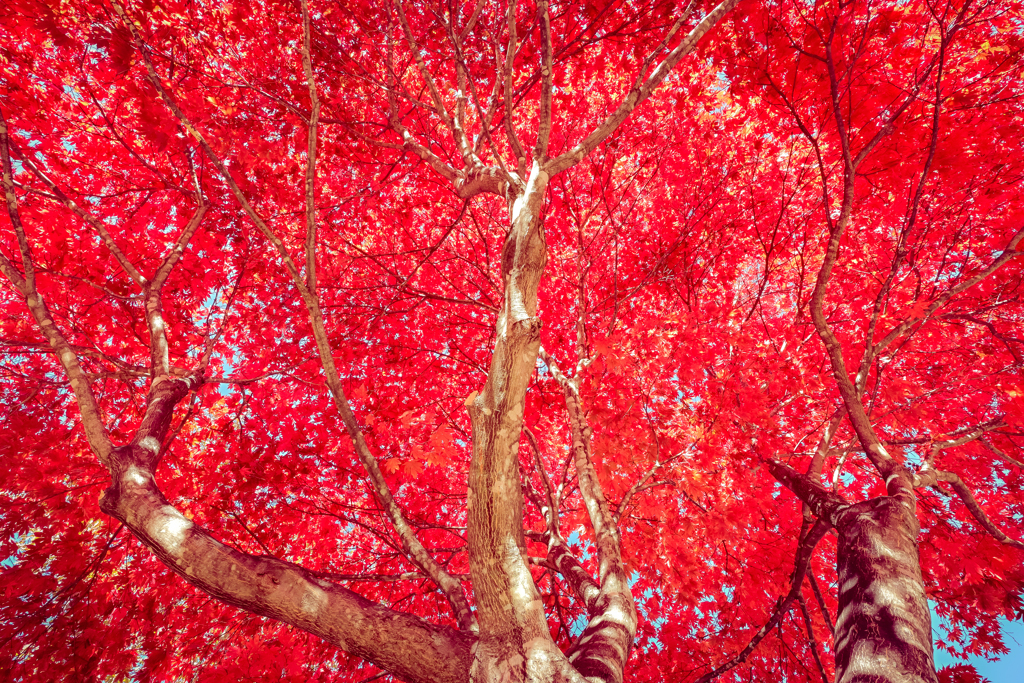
{"x":960,"y":673}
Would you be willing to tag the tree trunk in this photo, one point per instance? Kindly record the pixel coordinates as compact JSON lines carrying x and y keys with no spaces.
{"x":514,"y":643}
{"x":883,"y":631}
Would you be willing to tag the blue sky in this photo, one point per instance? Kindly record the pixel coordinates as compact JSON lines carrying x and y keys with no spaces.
{"x":1009,"y":669}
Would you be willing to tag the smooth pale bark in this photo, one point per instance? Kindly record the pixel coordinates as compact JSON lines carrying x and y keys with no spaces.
{"x":604,"y":646}
{"x":514,"y":640}
{"x":413,"y":548}
{"x":515,"y":644}
{"x":411,"y":648}
{"x":602,"y":650}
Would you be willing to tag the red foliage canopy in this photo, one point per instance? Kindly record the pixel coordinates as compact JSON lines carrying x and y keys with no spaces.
{"x":292,"y":254}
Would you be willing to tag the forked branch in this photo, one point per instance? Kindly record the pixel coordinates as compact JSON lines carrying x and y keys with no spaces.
{"x":609,"y":634}
{"x":999,"y":453}
{"x":641,"y":90}
{"x":931,"y":477}
{"x":454,"y":125}
{"x":407,"y":646}
{"x":451,"y":587}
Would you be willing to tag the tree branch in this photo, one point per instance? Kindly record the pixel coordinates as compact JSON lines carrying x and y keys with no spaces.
{"x":825,"y":504}
{"x":469,"y":158}
{"x":406,"y":646}
{"x":639,"y":93}
{"x":642,"y":485}
{"x":803,"y":559}
{"x":92,"y":417}
{"x":91,"y":220}
{"x":999,"y":453}
{"x":582,"y":583}
{"x":932,"y":477}
{"x":160,"y":363}
{"x":540,"y":152}
{"x":507,"y":74}
{"x":810,"y":636}
{"x":551,"y":513}
{"x":606,"y":641}
{"x":1008,"y":253}
{"x":310,"y":177}
{"x":451,"y":587}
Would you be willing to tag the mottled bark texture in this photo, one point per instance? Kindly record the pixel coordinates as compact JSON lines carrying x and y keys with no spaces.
{"x":605,"y":644}
{"x":411,"y":648}
{"x":883,"y":631}
{"x":514,"y":641}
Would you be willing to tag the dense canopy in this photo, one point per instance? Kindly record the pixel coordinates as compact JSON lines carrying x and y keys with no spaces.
{"x":505,"y":341}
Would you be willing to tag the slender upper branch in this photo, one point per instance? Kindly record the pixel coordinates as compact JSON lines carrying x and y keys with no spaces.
{"x":92,"y":416}
{"x":507,"y":72}
{"x":802,"y":562}
{"x":28,"y":267}
{"x":642,"y":484}
{"x":551,"y":514}
{"x":1004,"y":257}
{"x":160,"y":363}
{"x":93,"y":222}
{"x":821,"y":601}
{"x":471,"y":22}
{"x":992,"y":448}
{"x":540,"y":152}
{"x":639,"y":92}
{"x":178,"y":249}
{"x":411,"y":545}
{"x":931,"y":477}
{"x":310,"y":177}
{"x":810,"y":636}
{"x":469,"y":158}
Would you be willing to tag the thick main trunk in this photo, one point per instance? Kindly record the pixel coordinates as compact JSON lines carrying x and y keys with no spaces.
{"x":883,"y":632}
{"x":514,"y":644}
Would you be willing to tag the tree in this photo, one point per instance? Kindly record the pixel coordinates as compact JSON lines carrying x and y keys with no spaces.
{"x":884,"y":621}
{"x":579,"y":283}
